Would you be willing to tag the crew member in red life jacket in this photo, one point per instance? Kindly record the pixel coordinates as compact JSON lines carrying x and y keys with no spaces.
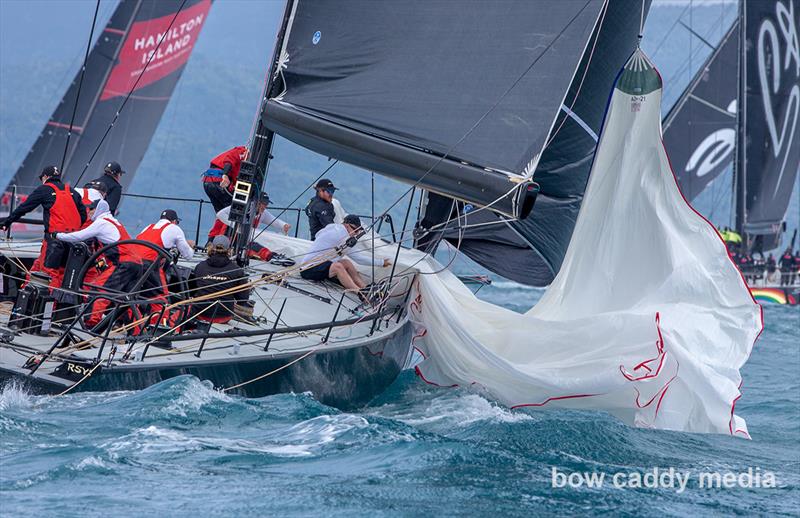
{"x":220,"y":178}
{"x":125,"y":263}
{"x":256,"y":251}
{"x":168,"y":235}
{"x":62,"y":212}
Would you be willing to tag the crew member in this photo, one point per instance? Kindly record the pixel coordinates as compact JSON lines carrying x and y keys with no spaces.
{"x":256,"y":251}
{"x":320,"y":210}
{"x":62,"y":211}
{"x":112,"y":173}
{"x":125,"y":263}
{"x":215,"y":274}
{"x":92,"y":191}
{"x":219,"y":179}
{"x":786,"y":263}
{"x":168,"y":235}
{"x":327,"y":264}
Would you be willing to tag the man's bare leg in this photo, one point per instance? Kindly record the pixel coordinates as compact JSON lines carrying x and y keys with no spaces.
{"x":339,"y":271}
{"x":353,"y":273}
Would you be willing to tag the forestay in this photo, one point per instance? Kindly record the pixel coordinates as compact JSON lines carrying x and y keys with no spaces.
{"x":647,"y":319}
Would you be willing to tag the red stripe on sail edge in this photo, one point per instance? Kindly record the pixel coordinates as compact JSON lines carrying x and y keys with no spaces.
{"x":113,"y":31}
{"x":741,"y":275}
{"x":556,"y":398}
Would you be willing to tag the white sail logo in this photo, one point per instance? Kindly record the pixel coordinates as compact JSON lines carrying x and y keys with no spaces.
{"x":712,"y":151}
{"x":769,"y":58}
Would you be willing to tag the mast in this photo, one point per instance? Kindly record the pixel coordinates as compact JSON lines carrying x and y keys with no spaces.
{"x":741,"y":119}
{"x":252,"y":176}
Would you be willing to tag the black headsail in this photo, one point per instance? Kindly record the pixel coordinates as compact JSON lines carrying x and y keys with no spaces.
{"x":769,"y":131}
{"x":458,"y":98}
{"x":113,"y":67}
{"x":530,"y":251}
{"x":700,"y":129}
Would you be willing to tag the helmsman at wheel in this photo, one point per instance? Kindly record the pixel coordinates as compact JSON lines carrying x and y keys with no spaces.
{"x":125,"y":263}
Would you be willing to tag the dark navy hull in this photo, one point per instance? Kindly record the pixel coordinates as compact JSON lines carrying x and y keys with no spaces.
{"x":344,"y":378}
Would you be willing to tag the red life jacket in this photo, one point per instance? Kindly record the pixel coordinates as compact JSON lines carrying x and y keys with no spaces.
{"x":127,"y":253}
{"x":85,"y":198}
{"x":219,"y":228}
{"x":153,"y":235}
{"x":64,"y":215}
{"x":234,"y":157}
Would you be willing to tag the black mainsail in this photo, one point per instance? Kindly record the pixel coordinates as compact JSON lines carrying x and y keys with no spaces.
{"x":530,"y":251}
{"x":114,"y":65}
{"x":459,"y":99}
{"x":768,"y":156}
{"x":700,"y":129}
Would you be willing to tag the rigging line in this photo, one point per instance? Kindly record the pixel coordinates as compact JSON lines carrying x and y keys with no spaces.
{"x":569,"y":111}
{"x":490,"y":110}
{"x":669,"y":31}
{"x":133,"y":89}
{"x":80,"y":83}
{"x":336,"y":161}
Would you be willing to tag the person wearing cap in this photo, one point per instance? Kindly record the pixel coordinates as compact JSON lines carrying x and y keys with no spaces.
{"x":263,"y":215}
{"x":323,"y":262}
{"x":62,"y":211}
{"x":215,"y":274}
{"x":220,"y":178}
{"x":92,"y":191}
{"x":125,"y":263}
{"x":168,"y":235}
{"x":112,"y":173}
{"x":320,"y":209}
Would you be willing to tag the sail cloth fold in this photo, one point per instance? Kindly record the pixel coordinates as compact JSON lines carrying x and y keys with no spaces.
{"x":647,"y":319}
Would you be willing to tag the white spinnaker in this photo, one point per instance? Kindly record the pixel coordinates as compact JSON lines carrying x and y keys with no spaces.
{"x":648,"y":319}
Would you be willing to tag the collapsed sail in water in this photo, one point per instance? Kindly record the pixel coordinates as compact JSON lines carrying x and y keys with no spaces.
{"x":700,"y":129}
{"x":457,"y":98}
{"x":769,"y":128}
{"x":647,"y":319}
{"x":114,"y":66}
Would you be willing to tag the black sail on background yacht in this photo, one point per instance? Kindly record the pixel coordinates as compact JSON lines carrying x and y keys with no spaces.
{"x":114,"y":69}
{"x":753,"y":122}
{"x":700,"y":129}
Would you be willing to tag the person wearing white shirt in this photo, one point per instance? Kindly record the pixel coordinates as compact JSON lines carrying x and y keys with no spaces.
{"x":91,"y":192}
{"x":125,"y":266}
{"x":262,"y":216}
{"x":332,"y":266}
{"x":168,"y":235}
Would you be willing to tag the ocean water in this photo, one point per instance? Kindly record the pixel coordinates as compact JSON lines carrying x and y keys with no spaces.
{"x":181,"y":449}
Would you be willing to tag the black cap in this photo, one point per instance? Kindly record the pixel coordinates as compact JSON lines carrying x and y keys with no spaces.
{"x":352,"y":220}
{"x":170,"y":215}
{"x":264,"y":198}
{"x":113,"y":168}
{"x":325,"y":184}
{"x":50,"y":171}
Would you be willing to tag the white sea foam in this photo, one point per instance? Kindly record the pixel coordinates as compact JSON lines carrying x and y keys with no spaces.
{"x":461,"y":410}
{"x":14,"y":396}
